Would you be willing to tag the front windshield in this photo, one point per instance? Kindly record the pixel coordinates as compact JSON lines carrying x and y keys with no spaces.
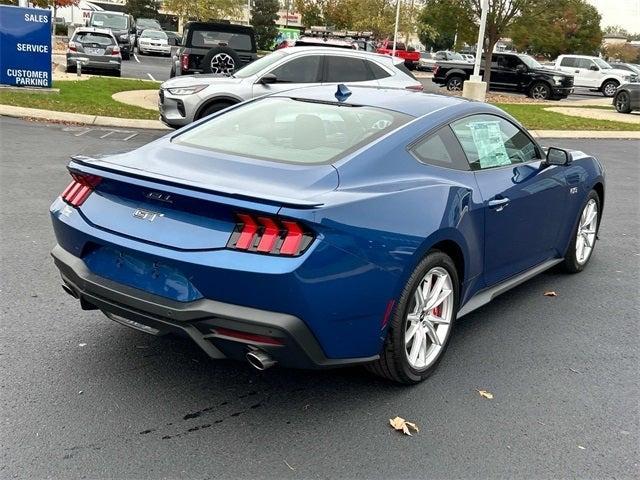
{"x":155,"y":34}
{"x":118,"y":22}
{"x":259,"y":65}
{"x":292,"y":130}
{"x":530,"y":61}
{"x":455,"y":56}
{"x":602,"y":64}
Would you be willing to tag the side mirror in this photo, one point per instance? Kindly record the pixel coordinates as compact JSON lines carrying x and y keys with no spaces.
{"x":268,"y":78}
{"x":558,"y":156}
{"x":521,"y":68}
{"x":594,"y":68}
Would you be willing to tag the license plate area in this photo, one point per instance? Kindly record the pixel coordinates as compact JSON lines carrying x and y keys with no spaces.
{"x":94,"y":51}
{"x":142,"y":272}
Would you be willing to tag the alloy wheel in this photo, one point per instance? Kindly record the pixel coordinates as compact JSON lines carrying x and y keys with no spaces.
{"x":429,"y":320}
{"x":454,"y":85}
{"x":586,"y":235}
{"x":622,"y":102}
{"x":610,"y":89}
{"x":539,"y":92}
{"x":222,"y":63}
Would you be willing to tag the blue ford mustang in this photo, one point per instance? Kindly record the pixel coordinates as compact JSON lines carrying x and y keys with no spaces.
{"x":317,"y":228}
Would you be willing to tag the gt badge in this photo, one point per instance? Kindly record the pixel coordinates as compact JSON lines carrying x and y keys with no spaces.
{"x":146,"y":214}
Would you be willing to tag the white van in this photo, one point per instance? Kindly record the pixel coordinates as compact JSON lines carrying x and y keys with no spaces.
{"x":593,"y":72}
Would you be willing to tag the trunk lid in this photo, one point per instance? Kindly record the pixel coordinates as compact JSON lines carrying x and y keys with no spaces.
{"x":187,"y":199}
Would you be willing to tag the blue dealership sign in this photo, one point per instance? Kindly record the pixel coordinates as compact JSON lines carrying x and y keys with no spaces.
{"x":25,"y":46}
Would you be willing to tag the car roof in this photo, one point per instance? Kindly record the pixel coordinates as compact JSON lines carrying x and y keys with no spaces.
{"x":110,"y":12}
{"x":339,"y":51}
{"x":415,"y":104}
{"x":223,"y":27}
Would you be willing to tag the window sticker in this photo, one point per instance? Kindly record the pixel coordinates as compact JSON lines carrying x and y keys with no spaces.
{"x":487,"y":138}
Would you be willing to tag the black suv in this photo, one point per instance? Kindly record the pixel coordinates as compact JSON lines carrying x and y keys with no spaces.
{"x":214,"y":48}
{"x":121,"y":25}
{"x":509,"y":71}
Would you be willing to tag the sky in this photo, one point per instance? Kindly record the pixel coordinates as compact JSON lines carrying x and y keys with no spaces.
{"x":625,"y":13}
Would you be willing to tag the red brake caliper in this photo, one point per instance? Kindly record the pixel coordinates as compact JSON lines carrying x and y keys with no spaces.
{"x":437,"y":311}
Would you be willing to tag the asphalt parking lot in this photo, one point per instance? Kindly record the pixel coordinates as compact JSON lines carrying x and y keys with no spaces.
{"x":83,"y":397}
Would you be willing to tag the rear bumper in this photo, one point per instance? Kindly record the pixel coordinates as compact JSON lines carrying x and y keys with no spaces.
{"x":294,"y":344}
{"x":102,"y":62}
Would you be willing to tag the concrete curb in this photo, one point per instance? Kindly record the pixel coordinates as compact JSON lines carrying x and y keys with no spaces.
{"x":22,"y":112}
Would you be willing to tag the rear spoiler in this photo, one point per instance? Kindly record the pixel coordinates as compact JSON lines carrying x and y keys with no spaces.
{"x":100,"y":167}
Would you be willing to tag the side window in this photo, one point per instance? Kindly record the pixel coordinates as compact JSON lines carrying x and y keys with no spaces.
{"x":441,"y":149}
{"x":346,"y":69}
{"x":377,"y":71}
{"x":489,"y":141}
{"x":568,"y":62}
{"x":584,"y":63}
{"x":299,"y":70}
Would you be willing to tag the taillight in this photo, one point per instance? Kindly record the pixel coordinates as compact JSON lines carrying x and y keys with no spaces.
{"x":184,"y":61}
{"x":435,"y":69}
{"x":73,"y":47}
{"x":415,"y":88}
{"x":80,"y":188}
{"x":269,"y":235}
{"x":115,"y":51}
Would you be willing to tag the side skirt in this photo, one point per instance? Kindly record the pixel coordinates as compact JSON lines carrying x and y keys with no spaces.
{"x":485,"y":296}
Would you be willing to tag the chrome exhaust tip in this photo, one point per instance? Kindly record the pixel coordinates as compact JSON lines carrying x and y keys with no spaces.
{"x":69,"y":290}
{"x":260,"y":360}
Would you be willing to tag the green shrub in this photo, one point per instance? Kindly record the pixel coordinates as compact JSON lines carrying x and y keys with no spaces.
{"x":61,"y":29}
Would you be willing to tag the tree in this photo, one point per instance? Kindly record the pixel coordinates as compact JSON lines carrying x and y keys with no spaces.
{"x":264,"y":14}
{"x":622,"y":52}
{"x":443,"y":23}
{"x":311,"y":12}
{"x":567,"y":26}
{"x":143,"y":8}
{"x":204,"y":10}
{"x":615,"y":30}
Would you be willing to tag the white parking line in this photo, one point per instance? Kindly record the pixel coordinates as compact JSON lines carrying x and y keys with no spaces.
{"x":82,"y":133}
{"x":129,"y":137}
{"x":151,"y":77}
{"x":136,"y":57}
{"x":108,"y":133}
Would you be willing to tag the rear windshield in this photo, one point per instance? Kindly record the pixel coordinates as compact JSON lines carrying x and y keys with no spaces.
{"x":209,"y":39}
{"x":104,"y":20}
{"x":292,"y":131}
{"x":99,"y":38}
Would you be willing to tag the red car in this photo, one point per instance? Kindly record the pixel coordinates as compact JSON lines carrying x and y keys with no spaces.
{"x":410,"y":57}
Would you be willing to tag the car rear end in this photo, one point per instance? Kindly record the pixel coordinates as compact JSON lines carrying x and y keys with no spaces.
{"x":94,"y":49}
{"x":153,"y":41}
{"x":202,"y":37}
{"x":233,"y":253}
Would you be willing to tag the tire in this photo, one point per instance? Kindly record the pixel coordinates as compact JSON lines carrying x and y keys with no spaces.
{"x":172,"y":73}
{"x":394,"y":362}
{"x":223,"y":60}
{"x":213,"y":108}
{"x":622,"y":102}
{"x":71,"y":70}
{"x":454,"y":83}
{"x":540,"y":91}
{"x":609,"y":88}
{"x":126,"y":56}
{"x":573,"y":261}
{"x":117,"y":73}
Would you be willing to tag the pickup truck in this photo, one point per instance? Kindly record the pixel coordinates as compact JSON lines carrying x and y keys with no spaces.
{"x":410,"y":56}
{"x":509,"y":71}
{"x":594,"y":73}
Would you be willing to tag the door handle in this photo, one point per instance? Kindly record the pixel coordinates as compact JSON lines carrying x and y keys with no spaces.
{"x":498,"y":203}
{"x":576,"y":71}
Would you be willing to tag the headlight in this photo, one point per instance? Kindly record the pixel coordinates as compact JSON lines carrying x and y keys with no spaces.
{"x":186,"y":90}
{"x":558,"y":79}
{"x":124,"y":37}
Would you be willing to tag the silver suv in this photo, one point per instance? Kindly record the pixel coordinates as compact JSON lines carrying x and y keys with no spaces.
{"x":187,"y":98}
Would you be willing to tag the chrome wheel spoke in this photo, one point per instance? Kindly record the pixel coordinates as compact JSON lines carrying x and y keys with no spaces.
{"x":432,"y":333}
{"x":438,"y":320}
{"x":411,"y":333}
{"x":415,"y":348}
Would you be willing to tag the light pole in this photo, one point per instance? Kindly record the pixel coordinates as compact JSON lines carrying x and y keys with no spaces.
{"x":395,"y":32}
{"x":475,"y":88}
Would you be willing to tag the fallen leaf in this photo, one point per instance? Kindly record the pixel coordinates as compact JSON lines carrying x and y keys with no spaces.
{"x":485,"y":394}
{"x":581,"y":447}
{"x":401,"y":424}
{"x":550,"y":293}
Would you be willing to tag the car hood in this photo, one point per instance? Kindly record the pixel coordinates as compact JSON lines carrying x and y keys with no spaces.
{"x":619,"y":72}
{"x":206,"y":79}
{"x":551,"y":71}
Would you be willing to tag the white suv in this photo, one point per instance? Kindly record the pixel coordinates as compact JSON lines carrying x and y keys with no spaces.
{"x":593,"y":72}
